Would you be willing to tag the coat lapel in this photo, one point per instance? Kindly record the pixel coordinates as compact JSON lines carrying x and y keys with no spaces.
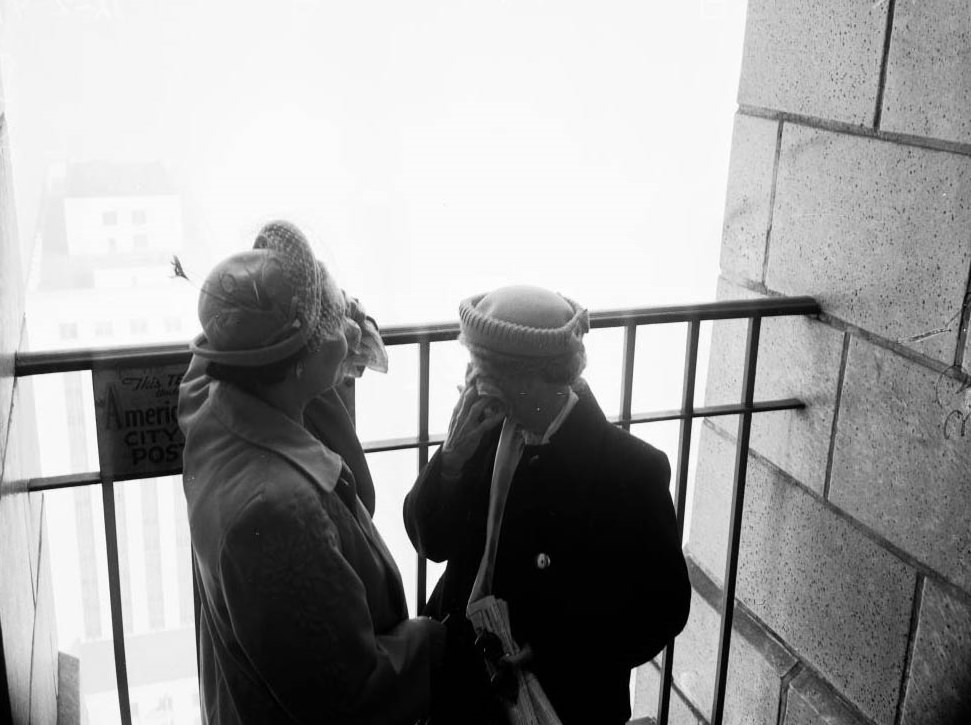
{"x":265,"y":427}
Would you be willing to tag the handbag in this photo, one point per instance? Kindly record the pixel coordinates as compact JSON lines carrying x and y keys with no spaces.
{"x":489,"y":614}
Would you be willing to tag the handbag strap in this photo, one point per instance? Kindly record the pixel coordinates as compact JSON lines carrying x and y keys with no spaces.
{"x":508,"y":453}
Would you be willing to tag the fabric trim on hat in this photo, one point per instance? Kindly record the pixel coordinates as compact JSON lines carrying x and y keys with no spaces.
{"x":512,"y":338}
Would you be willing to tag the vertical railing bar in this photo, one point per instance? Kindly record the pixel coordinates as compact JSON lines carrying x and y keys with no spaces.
{"x":735,"y":528}
{"x":114,"y":593}
{"x":688,"y":407}
{"x":196,"y":615}
{"x":424,"y":368}
{"x":681,"y":492}
{"x":627,"y":374}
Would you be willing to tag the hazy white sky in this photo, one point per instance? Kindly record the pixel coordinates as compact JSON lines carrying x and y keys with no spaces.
{"x":436,"y":148}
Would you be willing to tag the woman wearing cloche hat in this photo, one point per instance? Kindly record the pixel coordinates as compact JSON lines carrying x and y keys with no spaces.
{"x":302,"y":615}
{"x":587,"y":579}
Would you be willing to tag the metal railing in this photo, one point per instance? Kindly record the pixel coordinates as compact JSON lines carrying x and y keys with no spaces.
{"x":40,"y":363}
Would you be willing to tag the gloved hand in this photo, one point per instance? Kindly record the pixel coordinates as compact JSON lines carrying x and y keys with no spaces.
{"x":503,"y":668}
{"x":474,"y":414}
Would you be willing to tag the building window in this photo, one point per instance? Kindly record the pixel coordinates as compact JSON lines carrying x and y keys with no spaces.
{"x":112,"y":245}
{"x":139,"y":216}
{"x":173,"y":324}
{"x":140,"y":241}
{"x":102,"y":328}
{"x":138,"y":327}
{"x":109,"y":218}
{"x":69,"y":330}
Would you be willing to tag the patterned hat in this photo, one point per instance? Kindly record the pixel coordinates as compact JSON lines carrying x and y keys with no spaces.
{"x":523,"y":321}
{"x":261,"y":306}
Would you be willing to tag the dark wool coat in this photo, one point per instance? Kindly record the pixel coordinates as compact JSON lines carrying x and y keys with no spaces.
{"x":589,"y":561}
{"x":303,"y":616}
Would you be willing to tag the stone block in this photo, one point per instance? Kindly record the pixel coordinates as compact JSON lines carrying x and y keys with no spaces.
{"x":939,"y":684}
{"x":838,"y":599}
{"x":877,"y":232}
{"x":928,"y":85}
{"x":16,"y":601}
{"x":647,"y":682}
{"x":19,"y":458}
{"x":819,"y":59}
{"x":799,"y":357}
{"x":900,"y":461}
{"x":11,"y":287}
{"x":68,"y":685}
{"x":36,"y":542}
{"x":44,"y":667}
{"x":812,"y":702}
{"x":18,"y":551}
{"x":748,"y":198}
{"x":756,"y":663}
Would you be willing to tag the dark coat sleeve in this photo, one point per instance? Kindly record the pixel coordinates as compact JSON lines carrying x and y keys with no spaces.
{"x":438,"y":511}
{"x":299,"y":609}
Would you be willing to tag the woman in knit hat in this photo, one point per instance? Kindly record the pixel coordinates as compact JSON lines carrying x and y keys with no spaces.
{"x":302,"y":615}
{"x":537,"y":500}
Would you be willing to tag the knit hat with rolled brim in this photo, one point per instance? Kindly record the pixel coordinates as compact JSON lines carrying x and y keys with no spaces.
{"x":523,"y":321}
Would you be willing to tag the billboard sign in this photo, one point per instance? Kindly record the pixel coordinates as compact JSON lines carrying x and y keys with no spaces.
{"x":136,"y":410}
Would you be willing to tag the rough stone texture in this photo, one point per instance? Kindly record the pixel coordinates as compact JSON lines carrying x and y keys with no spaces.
{"x":877,"y":232}
{"x":895,"y":466}
{"x":966,"y":360}
{"x":812,"y":702}
{"x":939,"y":687}
{"x":748,"y":197}
{"x":17,"y":589}
{"x":756,"y":664}
{"x":819,"y":59}
{"x":798,"y":358}
{"x":646,"y":686}
{"x":839,"y":600}
{"x":928,"y":86}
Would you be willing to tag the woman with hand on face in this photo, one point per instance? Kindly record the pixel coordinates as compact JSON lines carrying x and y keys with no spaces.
{"x":585,"y":547}
{"x":302,"y":615}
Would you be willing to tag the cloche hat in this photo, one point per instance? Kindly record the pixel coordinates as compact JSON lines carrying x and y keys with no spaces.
{"x":263,"y":305}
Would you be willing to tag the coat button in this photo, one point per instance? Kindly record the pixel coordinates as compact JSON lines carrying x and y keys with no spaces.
{"x":542,"y":561}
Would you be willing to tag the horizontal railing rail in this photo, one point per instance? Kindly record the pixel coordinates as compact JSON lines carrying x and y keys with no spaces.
{"x":61,"y":361}
{"x":105,"y":358}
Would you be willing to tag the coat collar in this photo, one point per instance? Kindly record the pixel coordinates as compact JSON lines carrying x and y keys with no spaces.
{"x":265,"y":427}
{"x":575,"y":446}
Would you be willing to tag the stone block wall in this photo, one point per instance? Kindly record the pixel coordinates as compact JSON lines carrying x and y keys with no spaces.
{"x":850,"y":180}
{"x":28,"y":691}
